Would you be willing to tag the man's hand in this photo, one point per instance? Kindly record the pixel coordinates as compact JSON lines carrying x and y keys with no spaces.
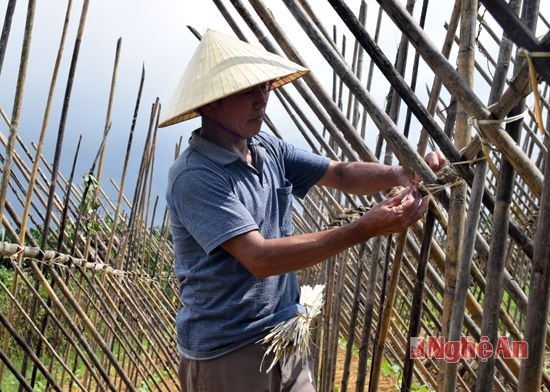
{"x":434,"y":159}
{"x":395,"y":214}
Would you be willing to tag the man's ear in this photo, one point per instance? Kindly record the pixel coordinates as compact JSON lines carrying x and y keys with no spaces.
{"x":208,"y":108}
{"x":203,"y":110}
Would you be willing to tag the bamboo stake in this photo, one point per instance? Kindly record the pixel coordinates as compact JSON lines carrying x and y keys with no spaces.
{"x":361,"y":261}
{"x":531,"y":371}
{"x":381,"y":304}
{"x":371,"y":70}
{"x":107,"y":125}
{"x":121,"y":337}
{"x":464,"y":270}
{"x":22,"y":381}
{"x":56,"y":320}
{"x":67,"y":197}
{"x":357,"y":68}
{"x":376,"y":256}
{"x":457,"y":210}
{"x":508,"y":366}
{"x":495,"y":264}
{"x":416,"y":306}
{"x":59,"y":246}
{"x":406,"y":127}
{"x":435,"y":90}
{"x":14,"y":125}
{"x":385,"y":318}
{"x":125,"y":167}
{"x":394,"y":102}
{"x":106,"y":129}
{"x":399,"y":144}
{"x":335,"y":317}
{"x":63,"y":120}
{"x":6,"y":28}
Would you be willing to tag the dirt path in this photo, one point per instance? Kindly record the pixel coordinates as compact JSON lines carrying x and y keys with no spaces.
{"x":385,"y":383}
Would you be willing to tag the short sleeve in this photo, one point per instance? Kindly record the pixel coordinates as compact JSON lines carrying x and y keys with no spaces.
{"x":208,"y":208}
{"x":303,"y":168}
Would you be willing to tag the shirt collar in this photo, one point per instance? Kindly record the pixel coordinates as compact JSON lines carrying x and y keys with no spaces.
{"x":216,"y":153}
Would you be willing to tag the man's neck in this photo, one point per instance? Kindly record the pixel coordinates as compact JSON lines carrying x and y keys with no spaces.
{"x":224,"y":137}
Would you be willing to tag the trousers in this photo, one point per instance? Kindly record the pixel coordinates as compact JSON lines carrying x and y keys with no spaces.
{"x":239,"y":371}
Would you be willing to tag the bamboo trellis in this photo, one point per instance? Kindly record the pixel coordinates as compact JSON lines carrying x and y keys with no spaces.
{"x":88,"y":307}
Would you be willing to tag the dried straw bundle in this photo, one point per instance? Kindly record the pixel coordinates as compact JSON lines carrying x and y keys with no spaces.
{"x":294,"y":334}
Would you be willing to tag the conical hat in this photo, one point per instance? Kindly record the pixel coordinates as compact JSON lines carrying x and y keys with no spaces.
{"x":221,"y":66}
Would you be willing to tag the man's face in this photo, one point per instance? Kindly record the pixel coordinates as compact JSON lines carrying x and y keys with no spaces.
{"x":242,"y":112}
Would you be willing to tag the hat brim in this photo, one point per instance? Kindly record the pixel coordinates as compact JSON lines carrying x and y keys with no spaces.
{"x":192,"y":113}
{"x":220,"y":67}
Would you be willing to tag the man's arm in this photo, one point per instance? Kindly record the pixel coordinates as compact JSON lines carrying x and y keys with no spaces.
{"x":263,"y":257}
{"x":367,"y":178}
{"x":363,"y":178}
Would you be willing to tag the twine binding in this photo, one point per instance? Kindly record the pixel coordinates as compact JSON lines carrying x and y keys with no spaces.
{"x":294,"y":334}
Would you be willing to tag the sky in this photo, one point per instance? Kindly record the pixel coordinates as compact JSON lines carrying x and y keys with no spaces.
{"x":154,"y":35}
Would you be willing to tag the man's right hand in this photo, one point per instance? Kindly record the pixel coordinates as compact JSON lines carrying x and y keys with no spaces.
{"x":394,"y":214}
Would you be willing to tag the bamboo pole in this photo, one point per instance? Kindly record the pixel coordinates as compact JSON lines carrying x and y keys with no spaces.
{"x":435,"y":90}
{"x":371,"y":69}
{"x":67,"y":197}
{"x":22,"y":381}
{"x":6,"y":28}
{"x":63,"y":120}
{"x":457,"y":210}
{"x":125,"y":168}
{"x":416,"y":62}
{"x":495,"y":264}
{"x":531,"y":370}
{"x":376,"y":257}
{"x":416,"y":306}
{"x":394,"y":102}
{"x":361,"y":261}
{"x":387,"y":312}
{"x":357,"y":67}
{"x":14,"y":126}
{"x":399,"y":144}
{"x":463,"y":273}
{"x":106,"y":129}
{"x":59,"y":246}
{"x":59,"y":326}
{"x":41,"y":336}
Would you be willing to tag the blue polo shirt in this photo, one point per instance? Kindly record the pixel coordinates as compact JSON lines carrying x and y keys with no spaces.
{"x":214,"y":195}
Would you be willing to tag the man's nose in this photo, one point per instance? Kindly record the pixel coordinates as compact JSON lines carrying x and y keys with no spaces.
{"x":260,"y":97}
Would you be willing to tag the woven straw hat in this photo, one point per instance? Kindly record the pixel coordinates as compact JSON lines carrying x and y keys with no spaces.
{"x":221,"y":66}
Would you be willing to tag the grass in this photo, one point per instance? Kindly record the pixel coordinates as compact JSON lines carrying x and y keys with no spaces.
{"x":387,"y":369}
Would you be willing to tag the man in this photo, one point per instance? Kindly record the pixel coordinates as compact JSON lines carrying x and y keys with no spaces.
{"x":230,"y":195}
